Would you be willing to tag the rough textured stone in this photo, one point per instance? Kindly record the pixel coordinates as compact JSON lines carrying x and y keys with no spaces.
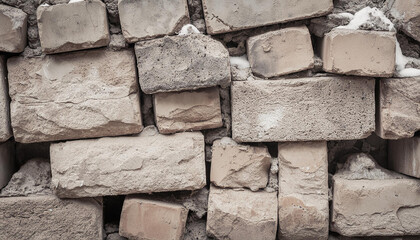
{"x":188,"y":110}
{"x":321,"y":108}
{"x":404,"y":156}
{"x":241,"y":214}
{"x":182,"y":63}
{"x":149,"y":162}
{"x":152,"y":18}
{"x":152,"y":220}
{"x":12,"y":29}
{"x":75,"y":95}
{"x":232,"y":15}
{"x":399,"y":108}
{"x":407,"y":13}
{"x":47,"y":217}
{"x":7,"y":162}
{"x":281,"y":52}
{"x":322,"y":25}
{"x":359,"y":52}
{"x":303,"y":190}
{"x":234,"y":165}
{"x":5,"y":129}
{"x":71,"y":27}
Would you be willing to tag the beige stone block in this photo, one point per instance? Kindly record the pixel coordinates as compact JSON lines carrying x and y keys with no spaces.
{"x":407,"y":12}
{"x":188,"y":110}
{"x":241,"y":214}
{"x":233,"y":15}
{"x":303,"y":190}
{"x":281,"y":52}
{"x":76,"y":95}
{"x":12,"y":29}
{"x":48,"y":217}
{"x":399,"y":108}
{"x":404,"y":156}
{"x":5,"y":128}
{"x":7,"y":162}
{"x":73,"y":26}
{"x":149,"y":19}
{"x":152,"y":220}
{"x":359,"y":52}
{"x":145,"y":163}
{"x":304,"y":109}
{"x":235,"y":165}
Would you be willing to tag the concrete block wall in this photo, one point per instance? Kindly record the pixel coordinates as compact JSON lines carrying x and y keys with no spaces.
{"x":208,"y":119}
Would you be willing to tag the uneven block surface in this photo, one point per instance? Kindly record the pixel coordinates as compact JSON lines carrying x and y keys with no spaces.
{"x":305,"y":109}
{"x":74,"y":26}
{"x":151,"y":18}
{"x":12,"y":29}
{"x":408,"y":13}
{"x":5,"y":128}
{"x":75,"y":95}
{"x":7,"y":162}
{"x":404,"y":156}
{"x":145,"y":163}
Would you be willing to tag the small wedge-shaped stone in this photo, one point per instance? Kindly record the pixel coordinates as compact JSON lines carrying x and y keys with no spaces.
{"x":407,"y":12}
{"x":182,"y":63}
{"x":12,"y":29}
{"x":233,"y":15}
{"x":149,"y":162}
{"x":7,"y":162}
{"x":74,"y":26}
{"x":5,"y":129}
{"x":148,"y":19}
{"x":152,"y":220}
{"x":399,"y":108}
{"x":234,"y":165}
{"x":404,"y":156}
{"x":304,"y":109}
{"x":76,"y":95}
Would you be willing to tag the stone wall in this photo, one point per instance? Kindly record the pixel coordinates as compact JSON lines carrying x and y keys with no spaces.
{"x":209,"y":119}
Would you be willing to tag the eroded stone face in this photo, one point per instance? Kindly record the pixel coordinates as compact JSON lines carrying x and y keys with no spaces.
{"x":149,"y":162}
{"x":232,"y":15}
{"x":5,"y":129}
{"x":404,"y":156}
{"x":77,"y":95}
{"x":359,"y":52}
{"x":71,"y":27}
{"x":12,"y":29}
{"x":151,"y":18}
{"x":407,"y":12}
{"x":7,"y":162}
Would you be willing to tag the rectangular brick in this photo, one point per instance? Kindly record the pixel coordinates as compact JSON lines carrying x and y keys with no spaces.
{"x":12,"y":29}
{"x":404,"y":156}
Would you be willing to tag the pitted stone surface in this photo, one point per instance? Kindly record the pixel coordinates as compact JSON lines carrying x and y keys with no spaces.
{"x":5,"y":128}
{"x":12,"y":29}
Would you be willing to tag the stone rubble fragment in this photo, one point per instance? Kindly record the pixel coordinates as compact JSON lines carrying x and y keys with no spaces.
{"x":407,"y":13}
{"x":12,"y":29}
{"x":404,"y":156}
{"x":7,"y":162}
{"x":5,"y":128}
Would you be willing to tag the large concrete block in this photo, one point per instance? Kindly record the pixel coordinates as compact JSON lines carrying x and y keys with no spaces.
{"x":281,"y":52}
{"x":77,"y":95}
{"x":148,"y":19}
{"x":152,"y":220}
{"x":188,"y":110}
{"x":359,"y":52}
{"x":48,"y":217}
{"x":145,"y":163}
{"x":241,"y":214}
{"x":398,"y":111}
{"x":7,"y":162}
{"x":404,"y":156}
{"x":182,"y":63}
{"x":74,"y":26}
{"x":304,"y":109}
{"x":12,"y":29}
{"x":5,"y":129}
{"x":233,"y":15}
{"x":407,"y":12}
{"x":303,"y":190}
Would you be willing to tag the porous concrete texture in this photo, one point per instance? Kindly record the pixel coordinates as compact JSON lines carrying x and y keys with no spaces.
{"x":304,"y":109}
{"x":152,"y":220}
{"x":74,"y":26}
{"x":407,"y":13}
{"x":233,"y":15}
{"x":5,"y":128}
{"x":182,"y":63}
{"x":281,"y":52}
{"x":7,"y":162}
{"x":187,"y":110}
{"x":398,"y":111}
{"x":76,"y":95}
{"x":12,"y":29}
{"x":241,"y":214}
{"x":359,"y":52}
{"x":235,"y":165}
{"x":148,"y":162}
{"x":303,"y":190}
{"x":404,"y":156}
{"x":149,"y":19}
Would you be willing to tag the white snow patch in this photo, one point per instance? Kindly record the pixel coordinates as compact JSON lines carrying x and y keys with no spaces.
{"x":188,"y":29}
{"x":75,"y":1}
{"x":368,"y":15}
{"x":270,"y":119}
{"x":346,"y":15}
{"x":240,"y":62}
{"x":400,"y":63}
{"x":45,"y":5}
{"x":408,"y":72}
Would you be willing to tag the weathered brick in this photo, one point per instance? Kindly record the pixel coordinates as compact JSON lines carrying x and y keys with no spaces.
{"x":151,"y":18}
{"x":404,"y":156}
{"x":5,"y":129}
{"x":12,"y":29}
{"x":74,"y":26}
{"x":232,"y":15}
{"x":281,"y":52}
{"x":304,"y":109}
{"x":407,"y":12}
{"x":188,"y":110}
{"x":7,"y":162}
{"x":149,"y":162}
{"x":74,"y":95}
{"x":359,"y":52}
